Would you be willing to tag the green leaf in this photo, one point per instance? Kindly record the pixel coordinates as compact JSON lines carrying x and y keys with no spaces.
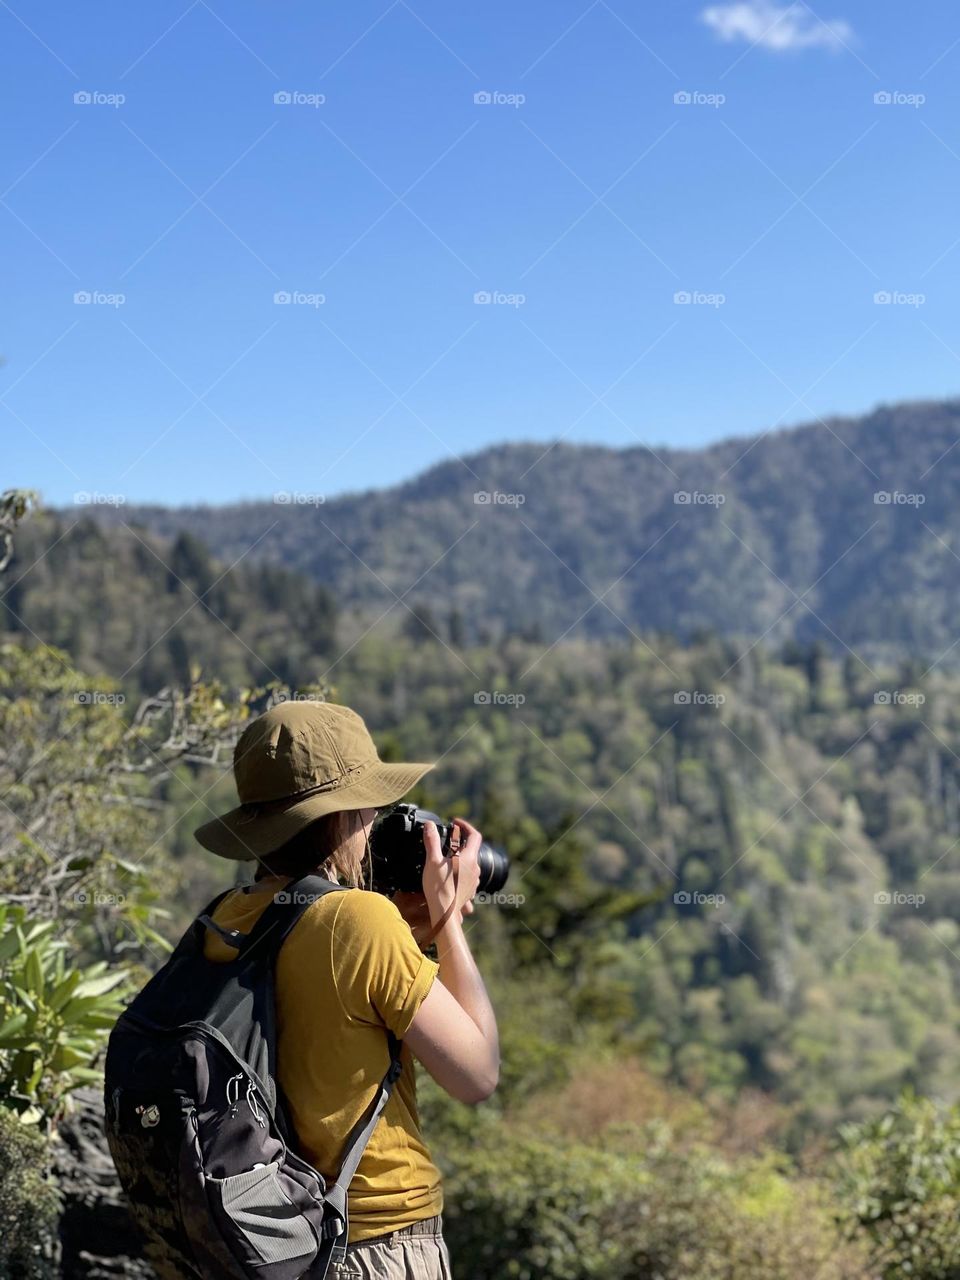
{"x":67,"y":1057}
{"x":100,"y":986}
{"x":33,"y":973}
{"x":59,"y":997}
{"x":77,"y":1010}
{"x":9,"y":946}
{"x":87,"y":1075}
{"x":12,"y":1027}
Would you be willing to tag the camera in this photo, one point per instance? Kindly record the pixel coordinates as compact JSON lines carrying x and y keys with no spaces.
{"x":398,"y":854}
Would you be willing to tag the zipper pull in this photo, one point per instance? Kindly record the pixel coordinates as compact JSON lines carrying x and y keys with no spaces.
{"x":252,"y":1102}
{"x":233,"y":1102}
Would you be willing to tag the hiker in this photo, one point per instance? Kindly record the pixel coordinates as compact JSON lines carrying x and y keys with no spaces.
{"x":310,"y":783}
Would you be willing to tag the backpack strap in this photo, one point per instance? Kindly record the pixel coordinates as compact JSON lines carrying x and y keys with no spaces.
{"x":275,"y":923}
{"x":230,"y":936}
{"x":276,"y":920}
{"x":283,"y":913}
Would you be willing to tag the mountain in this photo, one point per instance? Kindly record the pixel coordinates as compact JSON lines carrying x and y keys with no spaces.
{"x":145,"y":611}
{"x":845,"y":530}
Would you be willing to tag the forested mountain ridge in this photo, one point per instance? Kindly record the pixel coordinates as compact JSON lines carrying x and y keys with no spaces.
{"x":758,"y":799}
{"x":146,"y":611}
{"x":846,"y":529}
{"x":734,"y":867}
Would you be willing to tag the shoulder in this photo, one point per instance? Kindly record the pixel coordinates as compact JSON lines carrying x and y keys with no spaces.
{"x":364,"y":910}
{"x":359,"y":911}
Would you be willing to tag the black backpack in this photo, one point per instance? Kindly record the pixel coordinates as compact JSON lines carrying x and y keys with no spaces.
{"x":196,"y":1123}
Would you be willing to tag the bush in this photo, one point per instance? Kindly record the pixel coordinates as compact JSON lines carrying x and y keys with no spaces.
{"x":53,"y":1019}
{"x":536,"y":1209}
{"x":900,"y":1182}
{"x":29,"y":1204}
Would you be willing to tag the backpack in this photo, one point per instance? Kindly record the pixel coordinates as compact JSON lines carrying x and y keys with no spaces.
{"x":196,"y":1123}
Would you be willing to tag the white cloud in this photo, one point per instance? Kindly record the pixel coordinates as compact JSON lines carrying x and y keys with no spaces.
{"x":778,"y":27}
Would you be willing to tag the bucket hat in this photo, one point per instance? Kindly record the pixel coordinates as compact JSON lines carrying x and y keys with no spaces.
{"x":293,"y":764}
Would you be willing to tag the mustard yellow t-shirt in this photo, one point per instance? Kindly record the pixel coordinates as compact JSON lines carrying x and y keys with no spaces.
{"x":350,"y":968}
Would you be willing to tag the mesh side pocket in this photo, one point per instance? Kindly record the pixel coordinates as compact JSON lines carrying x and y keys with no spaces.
{"x":261,"y":1222}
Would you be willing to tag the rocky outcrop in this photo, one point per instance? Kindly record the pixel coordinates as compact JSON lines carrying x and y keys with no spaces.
{"x":98,"y":1238}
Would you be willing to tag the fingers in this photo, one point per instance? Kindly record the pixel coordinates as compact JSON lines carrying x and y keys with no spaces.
{"x":431,"y":842}
{"x":470,"y":837}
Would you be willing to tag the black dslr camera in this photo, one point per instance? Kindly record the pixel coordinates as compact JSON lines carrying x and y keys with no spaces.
{"x":398,"y":855}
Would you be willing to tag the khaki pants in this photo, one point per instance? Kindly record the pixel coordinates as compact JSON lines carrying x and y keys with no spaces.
{"x":417,"y":1252}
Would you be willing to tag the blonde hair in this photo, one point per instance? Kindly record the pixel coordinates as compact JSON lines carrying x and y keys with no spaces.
{"x":334,"y":845}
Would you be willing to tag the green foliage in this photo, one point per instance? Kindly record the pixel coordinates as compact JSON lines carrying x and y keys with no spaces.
{"x":29,"y":1204}
{"x":144,"y":612}
{"x":706,"y":883}
{"x":53,"y":1017}
{"x":529,"y":1208}
{"x":626,"y":815}
{"x":899,"y":1180}
{"x":84,"y":779}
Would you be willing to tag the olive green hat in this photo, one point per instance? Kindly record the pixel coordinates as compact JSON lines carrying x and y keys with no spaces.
{"x":296,"y":762}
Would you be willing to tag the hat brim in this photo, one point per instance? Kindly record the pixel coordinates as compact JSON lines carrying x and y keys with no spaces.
{"x":252,"y":830}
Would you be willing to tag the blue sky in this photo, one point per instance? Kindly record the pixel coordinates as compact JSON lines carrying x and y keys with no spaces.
{"x":382,"y":198}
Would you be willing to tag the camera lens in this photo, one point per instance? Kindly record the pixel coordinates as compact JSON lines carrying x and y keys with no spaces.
{"x":494,"y":868}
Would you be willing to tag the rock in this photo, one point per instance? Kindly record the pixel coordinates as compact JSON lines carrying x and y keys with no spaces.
{"x":98,"y":1238}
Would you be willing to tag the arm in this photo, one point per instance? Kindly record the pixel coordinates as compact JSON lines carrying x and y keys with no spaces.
{"x":454,"y":1033}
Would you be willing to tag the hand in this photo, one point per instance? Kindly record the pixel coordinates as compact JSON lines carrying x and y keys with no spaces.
{"x":414,"y":909}
{"x":450,"y":883}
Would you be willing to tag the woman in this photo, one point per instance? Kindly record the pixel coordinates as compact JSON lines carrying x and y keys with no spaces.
{"x":310,"y":782}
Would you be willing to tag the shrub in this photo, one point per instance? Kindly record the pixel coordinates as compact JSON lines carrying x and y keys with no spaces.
{"x":536,"y":1209}
{"x":899,"y":1181}
{"x":53,"y":1020}
{"x":29,"y":1204}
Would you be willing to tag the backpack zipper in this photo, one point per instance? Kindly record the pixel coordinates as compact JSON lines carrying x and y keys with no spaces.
{"x":233,"y":1098}
{"x":234,"y":1102}
{"x":252,"y":1103}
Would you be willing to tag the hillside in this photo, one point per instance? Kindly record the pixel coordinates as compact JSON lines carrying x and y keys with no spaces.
{"x":145,"y":611}
{"x":782,"y":537}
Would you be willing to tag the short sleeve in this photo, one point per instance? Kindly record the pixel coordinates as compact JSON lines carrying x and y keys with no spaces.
{"x":381,"y":975}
